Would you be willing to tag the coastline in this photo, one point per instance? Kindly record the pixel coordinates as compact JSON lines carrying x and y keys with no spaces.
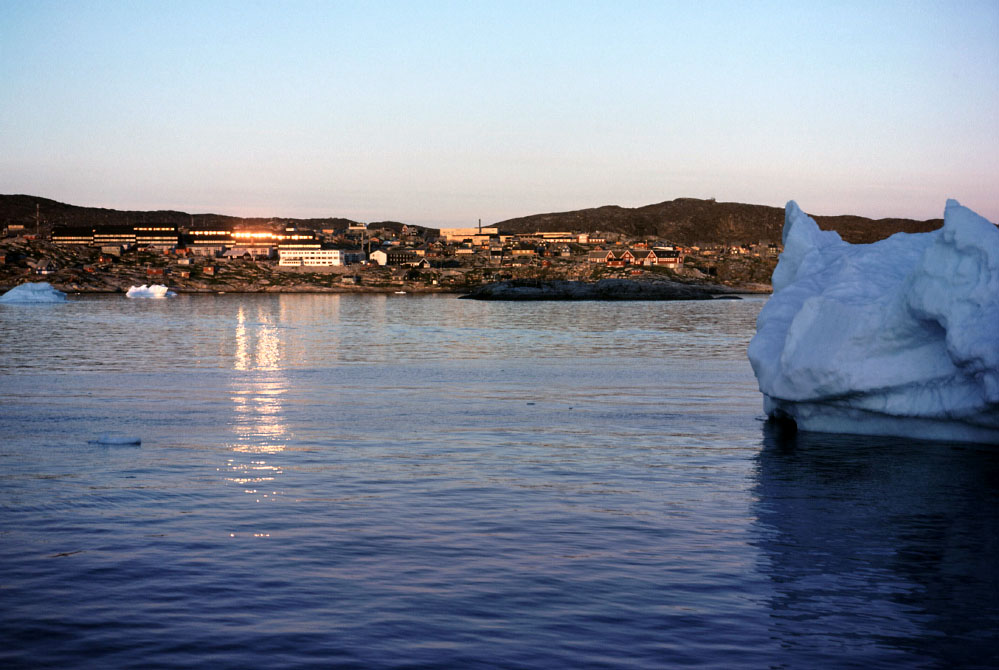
{"x":84,"y":272}
{"x":641,"y":289}
{"x":602,"y":290}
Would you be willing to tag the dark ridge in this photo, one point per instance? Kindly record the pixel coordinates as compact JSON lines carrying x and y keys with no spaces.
{"x":691,"y":221}
{"x":23,"y":208}
{"x":687,"y":221}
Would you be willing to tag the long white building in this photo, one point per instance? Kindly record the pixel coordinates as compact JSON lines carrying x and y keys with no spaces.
{"x":303,"y":256}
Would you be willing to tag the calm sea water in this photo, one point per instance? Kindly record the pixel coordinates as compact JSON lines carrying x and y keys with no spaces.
{"x":424,"y":482}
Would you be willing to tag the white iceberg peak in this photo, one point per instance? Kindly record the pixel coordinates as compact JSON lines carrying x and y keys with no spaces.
{"x":899,"y":337}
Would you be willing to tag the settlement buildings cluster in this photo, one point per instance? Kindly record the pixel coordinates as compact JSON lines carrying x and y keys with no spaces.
{"x":212,"y":247}
{"x":358,"y":244}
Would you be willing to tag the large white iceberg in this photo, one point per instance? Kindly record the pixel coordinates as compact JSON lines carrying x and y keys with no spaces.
{"x":899,"y":337}
{"x":34,"y":293}
{"x":154,"y":291}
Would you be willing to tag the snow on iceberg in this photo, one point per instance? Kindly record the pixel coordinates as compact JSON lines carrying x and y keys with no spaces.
{"x":899,"y":337}
{"x":154,"y":291}
{"x":34,"y":293}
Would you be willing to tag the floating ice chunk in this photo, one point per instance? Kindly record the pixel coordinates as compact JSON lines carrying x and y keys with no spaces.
{"x":154,"y":291}
{"x":899,"y":337}
{"x":39,"y":292}
{"x":117,"y":440}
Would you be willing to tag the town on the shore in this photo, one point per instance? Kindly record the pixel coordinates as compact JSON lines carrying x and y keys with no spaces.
{"x":355,"y":257}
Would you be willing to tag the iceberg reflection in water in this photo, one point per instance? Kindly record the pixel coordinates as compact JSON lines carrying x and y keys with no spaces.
{"x":883,"y":539}
{"x":368,"y":482}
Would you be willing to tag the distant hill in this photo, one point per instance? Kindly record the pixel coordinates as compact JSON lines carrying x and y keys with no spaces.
{"x":691,"y":221}
{"x":683,"y":221}
{"x":22,"y":209}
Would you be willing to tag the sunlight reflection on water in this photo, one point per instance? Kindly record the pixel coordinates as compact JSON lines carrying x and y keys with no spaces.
{"x":422,"y":482}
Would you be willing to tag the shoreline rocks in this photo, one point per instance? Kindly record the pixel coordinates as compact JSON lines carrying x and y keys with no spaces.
{"x":605,"y":289}
{"x":512,"y":289}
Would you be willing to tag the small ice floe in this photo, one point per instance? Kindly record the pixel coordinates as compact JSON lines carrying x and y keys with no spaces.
{"x":110,"y":439}
{"x":154,"y":291}
{"x":33,"y":294}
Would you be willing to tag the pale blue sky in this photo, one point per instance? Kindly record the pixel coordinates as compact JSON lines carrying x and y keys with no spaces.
{"x":441,"y":113}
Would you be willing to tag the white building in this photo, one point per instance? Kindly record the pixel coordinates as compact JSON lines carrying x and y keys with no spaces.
{"x":309,"y":256}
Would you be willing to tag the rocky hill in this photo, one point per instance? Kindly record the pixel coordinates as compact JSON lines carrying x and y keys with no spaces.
{"x":23,"y":209}
{"x":691,"y":221}
{"x":683,"y":221}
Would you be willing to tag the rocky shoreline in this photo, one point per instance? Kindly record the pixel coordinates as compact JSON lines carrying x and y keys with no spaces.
{"x":87,"y":271}
{"x":512,"y":290}
{"x":252,"y":289}
{"x":605,"y":289}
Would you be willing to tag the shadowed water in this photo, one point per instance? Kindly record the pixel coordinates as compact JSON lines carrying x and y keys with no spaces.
{"x":400,"y":481}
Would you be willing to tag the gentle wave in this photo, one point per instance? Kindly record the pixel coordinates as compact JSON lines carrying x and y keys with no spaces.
{"x":347,"y":481}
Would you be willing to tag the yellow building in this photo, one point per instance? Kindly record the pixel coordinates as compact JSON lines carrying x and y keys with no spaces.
{"x":461,"y":234}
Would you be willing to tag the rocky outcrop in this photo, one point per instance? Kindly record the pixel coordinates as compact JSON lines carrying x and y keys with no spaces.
{"x":605,"y":289}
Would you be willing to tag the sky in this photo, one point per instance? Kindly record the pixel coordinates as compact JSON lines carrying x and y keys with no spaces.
{"x":444,"y":113}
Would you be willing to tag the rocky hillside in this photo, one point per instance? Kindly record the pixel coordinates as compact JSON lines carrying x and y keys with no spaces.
{"x":683,"y":221}
{"x":690,"y":221}
{"x":22,"y":209}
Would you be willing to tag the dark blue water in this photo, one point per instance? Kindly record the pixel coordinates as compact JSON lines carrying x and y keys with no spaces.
{"x":422,"y":482}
